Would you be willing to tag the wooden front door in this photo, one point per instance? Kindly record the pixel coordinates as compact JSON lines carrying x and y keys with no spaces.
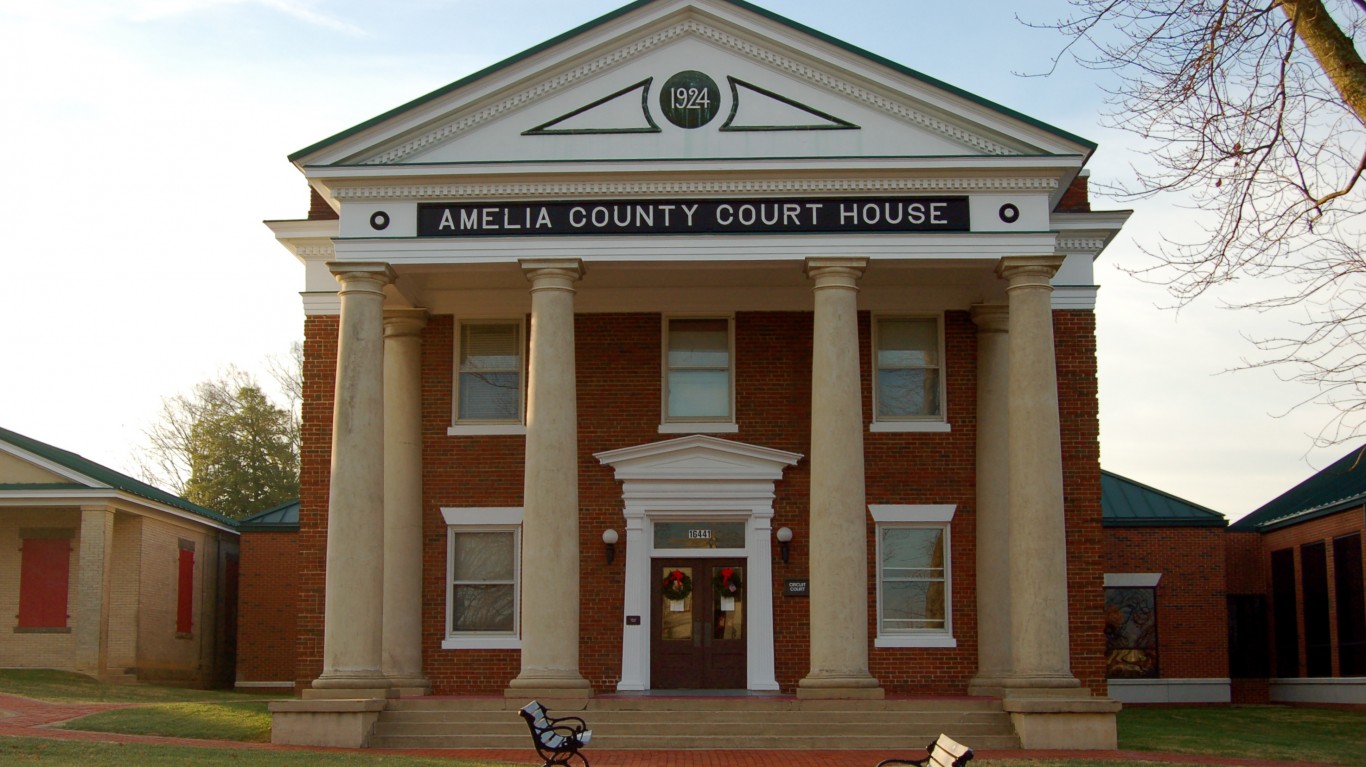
{"x":698,"y":641}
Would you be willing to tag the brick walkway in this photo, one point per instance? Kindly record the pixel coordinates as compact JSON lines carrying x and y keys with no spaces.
{"x":25,"y":717}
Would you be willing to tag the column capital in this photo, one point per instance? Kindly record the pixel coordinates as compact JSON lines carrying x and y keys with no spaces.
{"x":1029,"y":271}
{"x":399,"y":323}
{"x":836,"y":272}
{"x":362,"y":276}
{"x":552,"y":273}
{"x":991,"y":318}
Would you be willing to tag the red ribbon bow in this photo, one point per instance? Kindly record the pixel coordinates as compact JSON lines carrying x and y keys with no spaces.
{"x":726,"y":574}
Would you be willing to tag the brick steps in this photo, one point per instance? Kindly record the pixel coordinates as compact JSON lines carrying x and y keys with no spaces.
{"x":649,"y":723}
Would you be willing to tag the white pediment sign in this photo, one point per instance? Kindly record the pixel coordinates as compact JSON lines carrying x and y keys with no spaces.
{"x":690,"y":80}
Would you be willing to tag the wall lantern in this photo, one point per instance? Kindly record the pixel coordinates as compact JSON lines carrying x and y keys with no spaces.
{"x":609,"y":537}
{"x":784,"y":539}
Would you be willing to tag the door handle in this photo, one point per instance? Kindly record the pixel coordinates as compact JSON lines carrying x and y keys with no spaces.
{"x":697,"y":633}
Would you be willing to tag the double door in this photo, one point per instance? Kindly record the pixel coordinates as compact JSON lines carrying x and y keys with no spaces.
{"x":698,"y":624}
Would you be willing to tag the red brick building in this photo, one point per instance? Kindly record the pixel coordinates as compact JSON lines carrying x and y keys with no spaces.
{"x":1298,"y":596}
{"x":697,"y":349}
{"x":1166,"y":622}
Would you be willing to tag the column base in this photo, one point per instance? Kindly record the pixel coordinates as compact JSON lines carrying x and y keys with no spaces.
{"x":566,"y":689}
{"x":845,"y":687}
{"x":1055,"y":720}
{"x":335,"y":724}
{"x":1040,"y":682}
{"x":987,"y":685}
{"x":409,"y":686}
{"x":339,"y":686}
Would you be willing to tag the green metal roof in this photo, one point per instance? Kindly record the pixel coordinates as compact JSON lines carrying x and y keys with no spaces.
{"x":1126,"y":503}
{"x":284,"y":517}
{"x":626,"y":9}
{"x":103,"y":475}
{"x":1339,"y":487}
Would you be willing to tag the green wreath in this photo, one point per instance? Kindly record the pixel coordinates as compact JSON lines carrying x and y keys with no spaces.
{"x":727,"y":582}
{"x":677,"y":585}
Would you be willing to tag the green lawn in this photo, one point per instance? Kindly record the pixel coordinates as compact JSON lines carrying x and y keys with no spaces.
{"x":245,"y":722}
{"x":1274,"y":733}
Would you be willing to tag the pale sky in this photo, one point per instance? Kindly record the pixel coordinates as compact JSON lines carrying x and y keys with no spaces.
{"x":146,"y":142}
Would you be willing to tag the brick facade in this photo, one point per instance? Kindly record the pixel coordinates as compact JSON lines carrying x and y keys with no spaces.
{"x":1192,"y":611}
{"x":619,"y":394}
{"x":269,"y":598}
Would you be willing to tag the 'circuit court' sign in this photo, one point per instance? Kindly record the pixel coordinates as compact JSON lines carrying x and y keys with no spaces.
{"x":741,"y":216}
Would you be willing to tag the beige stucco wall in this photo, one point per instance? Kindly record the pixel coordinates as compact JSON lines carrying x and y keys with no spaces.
{"x":15,"y":471}
{"x":34,"y":650}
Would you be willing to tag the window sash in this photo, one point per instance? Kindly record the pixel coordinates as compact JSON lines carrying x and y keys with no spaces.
{"x":479,"y":604}
{"x":908,"y":380}
{"x":913,"y":596}
{"x":489,"y":380}
{"x":698,"y":370}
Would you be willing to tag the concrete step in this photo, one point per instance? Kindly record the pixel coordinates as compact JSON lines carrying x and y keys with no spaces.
{"x":656,"y":742}
{"x":666,"y":720}
{"x":675,"y":723}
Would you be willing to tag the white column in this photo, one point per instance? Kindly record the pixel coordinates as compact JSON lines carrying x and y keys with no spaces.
{"x":1040,"y":643}
{"x":550,"y":524}
{"x":91,"y":618}
{"x":402,"y":632}
{"x":353,"y":605}
{"x":635,"y":640}
{"x":761,"y":673}
{"x":839,"y":528}
{"x":993,"y":499}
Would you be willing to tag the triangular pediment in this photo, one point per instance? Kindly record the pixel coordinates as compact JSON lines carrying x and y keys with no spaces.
{"x":698,"y":457}
{"x":18,"y":468}
{"x":676,"y":80}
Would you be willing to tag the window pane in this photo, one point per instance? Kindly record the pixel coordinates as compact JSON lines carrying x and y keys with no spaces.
{"x":489,"y":396}
{"x":908,"y":343}
{"x":483,"y":557}
{"x":912,"y":606}
{"x":913,"y":549}
{"x":699,"y":343}
{"x":482,"y":608}
{"x":489,"y":347}
{"x":907,"y":393}
{"x":699,"y":394}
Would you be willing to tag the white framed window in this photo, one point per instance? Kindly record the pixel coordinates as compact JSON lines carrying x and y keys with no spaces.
{"x":483,"y":578}
{"x":914,"y":576}
{"x":908,"y":375}
{"x":699,"y":375}
{"x":490,"y":377}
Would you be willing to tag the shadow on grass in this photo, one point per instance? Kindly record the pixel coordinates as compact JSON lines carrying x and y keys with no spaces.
{"x":66,"y":687}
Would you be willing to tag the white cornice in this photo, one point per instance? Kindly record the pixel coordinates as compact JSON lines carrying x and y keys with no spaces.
{"x":637,"y":47}
{"x":700,"y":187}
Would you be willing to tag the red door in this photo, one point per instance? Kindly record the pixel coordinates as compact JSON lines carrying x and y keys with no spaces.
{"x":698,"y":624}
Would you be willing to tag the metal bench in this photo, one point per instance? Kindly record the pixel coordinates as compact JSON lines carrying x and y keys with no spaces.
{"x":556,"y":740}
{"x":943,"y":752}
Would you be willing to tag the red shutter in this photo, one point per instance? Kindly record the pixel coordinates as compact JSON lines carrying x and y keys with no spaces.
{"x":185,"y":602}
{"x":43,"y":578}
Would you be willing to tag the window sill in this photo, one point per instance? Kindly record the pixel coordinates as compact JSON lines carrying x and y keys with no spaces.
{"x":486,"y":429}
{"x":42,"y":629}
{"x":481,"y":643}
{"x":928,"y":640}
{"x":910,"y":426}
{"x":702,"y":427}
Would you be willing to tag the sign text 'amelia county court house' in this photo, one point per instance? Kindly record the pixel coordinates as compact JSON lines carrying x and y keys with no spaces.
{"x":695,"y":349}
{"x":695,"y":217}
